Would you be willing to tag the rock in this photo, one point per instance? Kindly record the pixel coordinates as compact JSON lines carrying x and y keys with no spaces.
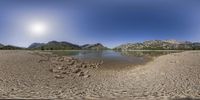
{"x":97,"y":65}
{"x":59,"y":68}
{"x":73,"y":58}
{"x":71,"y":62}
{"x":71,"y":65}
{"x":81,"y":74}
{"x":86,"y":72}
{"x":42,"y":60}
{"x":51,"y":70}
{"x":93,"y":64}
{"x":59,"y":76}
{"x":86,"y":76}
{"x":65,"y":67}
{"x":77,"y":70}
{"x":77,"y":66}
{"x":54,"y":70}
{"x":64,"y":72}
{"x":84,"y":66}
{"x":101,"y":62}
{"x":60,"y":59}
{"x":56,"y":63}
{"x":67,"y":58}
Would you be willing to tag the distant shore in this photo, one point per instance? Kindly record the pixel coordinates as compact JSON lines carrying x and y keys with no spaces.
{"x":157,"y":50}
{"x":42,"y":75}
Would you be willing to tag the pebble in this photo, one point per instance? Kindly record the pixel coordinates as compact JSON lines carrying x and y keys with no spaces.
{"x":81,"y":74}
{"x":59,"y":76}
{"x":77,"y":70}
{"x":67,"y":58}
{"x":60,"y":59}
{"x":101,"y":62}
{"x":68,"y":65}
{"x":78,"y":65}
{"x":71,"y":63}
{"x":86,"y":76}
{"x":84,"y":66}
{"x":59,"y":68}
{"x":64,"y":73}
{"x":54,"y":71}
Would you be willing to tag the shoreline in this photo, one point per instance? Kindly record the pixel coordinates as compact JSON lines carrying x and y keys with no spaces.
{"x":24,"y":74}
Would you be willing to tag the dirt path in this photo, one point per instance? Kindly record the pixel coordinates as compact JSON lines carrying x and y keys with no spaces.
{"x":24,"y":74}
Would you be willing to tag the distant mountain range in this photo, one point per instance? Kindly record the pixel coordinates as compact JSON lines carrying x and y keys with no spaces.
{"x":97,"y":46}
{"x":160,"y":45}
{"x":147,"y":45}
{"x":9,"y":47}
{"x":54,"y":45}
{"x":1,"y":45}
{"x":36,"y":45}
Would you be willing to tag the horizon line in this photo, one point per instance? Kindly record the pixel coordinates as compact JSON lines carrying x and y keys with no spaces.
{"x":101,"y":42}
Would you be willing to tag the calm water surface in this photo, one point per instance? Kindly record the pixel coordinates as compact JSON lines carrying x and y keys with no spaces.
{"x":115,"y":59}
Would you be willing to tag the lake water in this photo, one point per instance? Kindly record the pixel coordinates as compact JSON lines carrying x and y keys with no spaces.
{"x":115,"y":59}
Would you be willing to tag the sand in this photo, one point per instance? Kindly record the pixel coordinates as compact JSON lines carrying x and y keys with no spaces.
{"x":33,"y":74}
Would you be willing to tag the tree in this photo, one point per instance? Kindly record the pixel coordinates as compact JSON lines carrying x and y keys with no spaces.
{"x":42,"y":48}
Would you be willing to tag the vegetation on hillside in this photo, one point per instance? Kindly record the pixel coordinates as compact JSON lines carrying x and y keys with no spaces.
{"x":160,"y":45}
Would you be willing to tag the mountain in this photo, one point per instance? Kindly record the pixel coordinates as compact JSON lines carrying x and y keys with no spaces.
{"x":196,"y":46}
{"x":160,"y":45}
{"x":10,"y":47}
{"x":54,"y":45}
{"x":36,"y":45}
{"x":1,"y":45}
{"x":97,"y":46}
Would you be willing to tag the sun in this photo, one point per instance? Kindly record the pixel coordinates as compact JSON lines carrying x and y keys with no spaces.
{"x":38,"y":28}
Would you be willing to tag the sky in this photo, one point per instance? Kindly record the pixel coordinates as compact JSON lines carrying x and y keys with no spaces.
{"x":110,"y":22}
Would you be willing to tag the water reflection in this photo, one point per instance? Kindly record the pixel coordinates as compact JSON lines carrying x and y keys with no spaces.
{"x":115,"y":59}
{"x":92,"y":54}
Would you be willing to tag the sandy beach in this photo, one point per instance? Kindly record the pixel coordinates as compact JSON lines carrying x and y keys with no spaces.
{"x":42,"y":75}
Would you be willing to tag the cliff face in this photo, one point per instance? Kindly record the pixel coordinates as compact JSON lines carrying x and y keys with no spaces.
{"x":160,"y":45}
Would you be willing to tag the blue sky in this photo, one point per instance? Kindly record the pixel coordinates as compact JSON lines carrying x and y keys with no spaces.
{"x":110,"y":22}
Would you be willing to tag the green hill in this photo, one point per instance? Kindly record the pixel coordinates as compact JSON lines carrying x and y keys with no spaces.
{"x":10,"y":47}
{"x":54,"y":45}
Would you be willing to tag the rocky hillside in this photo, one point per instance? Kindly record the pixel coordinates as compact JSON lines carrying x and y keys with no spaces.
{"x":160,"y":45}
{"x":54,"y":45}
{"x":36,"y":45}
{"x":97,"y":46}
{"x":10,"y":47}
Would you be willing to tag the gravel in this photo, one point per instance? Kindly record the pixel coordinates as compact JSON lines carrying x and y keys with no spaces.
{"x":42,"y":75}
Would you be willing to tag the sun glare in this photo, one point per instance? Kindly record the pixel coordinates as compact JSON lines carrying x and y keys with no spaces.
{"x":38,"y":29}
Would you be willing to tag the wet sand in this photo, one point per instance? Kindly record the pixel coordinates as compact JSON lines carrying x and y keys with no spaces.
{"x":30,"y":74}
